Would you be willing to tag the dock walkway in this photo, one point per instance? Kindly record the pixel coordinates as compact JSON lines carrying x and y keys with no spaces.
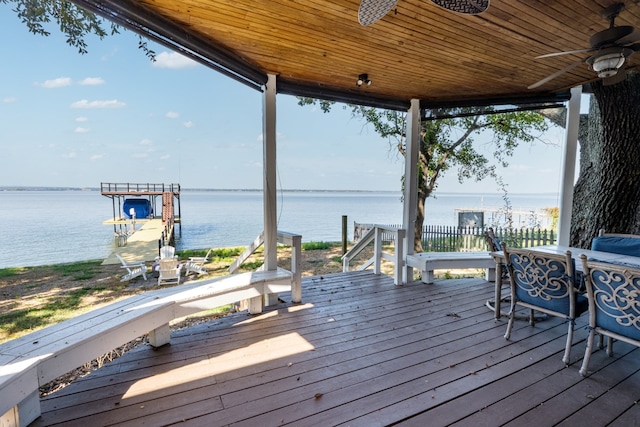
{"x":141,"y":245}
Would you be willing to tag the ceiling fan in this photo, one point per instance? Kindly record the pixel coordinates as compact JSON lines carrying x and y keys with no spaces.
{"x":370,"y":11}
{"x":611,"y":46}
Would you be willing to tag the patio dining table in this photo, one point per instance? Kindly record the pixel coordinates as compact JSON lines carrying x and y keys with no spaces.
{"x":631,"y":261}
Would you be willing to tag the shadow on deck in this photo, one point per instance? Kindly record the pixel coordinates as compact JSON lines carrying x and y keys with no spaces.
{"x":360,"y":352}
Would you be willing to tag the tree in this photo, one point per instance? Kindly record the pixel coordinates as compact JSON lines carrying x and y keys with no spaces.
{"x":607,"y":192}
{"x":449,"y":143}
{"x":73,"y":21}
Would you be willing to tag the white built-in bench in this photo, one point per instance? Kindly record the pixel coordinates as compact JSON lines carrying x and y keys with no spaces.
{"x":33,"y":360}
{"x":427,"y":262}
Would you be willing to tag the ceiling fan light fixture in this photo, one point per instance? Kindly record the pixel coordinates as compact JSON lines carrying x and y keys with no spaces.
{"x":609,"y":64}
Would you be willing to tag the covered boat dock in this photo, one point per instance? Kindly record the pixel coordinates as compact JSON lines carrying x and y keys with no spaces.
{"x":139,"y":227}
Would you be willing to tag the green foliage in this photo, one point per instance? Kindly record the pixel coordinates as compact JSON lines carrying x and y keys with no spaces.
{"x":79,"y":270}
{"x":310,"y":246}
{"x":54,"y":311}
{"x":72,"y":21}
{"x":251,"y":266}
{"x":554,"y":213}
{"x":8,"y":272}
{"x":220,"y":254}
{"x":449,"y":142}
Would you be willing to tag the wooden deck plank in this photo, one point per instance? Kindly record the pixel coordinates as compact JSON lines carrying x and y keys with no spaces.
{"x":358,"y":351}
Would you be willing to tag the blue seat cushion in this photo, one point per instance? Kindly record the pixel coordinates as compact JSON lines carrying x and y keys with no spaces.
{"x":617,"y":245}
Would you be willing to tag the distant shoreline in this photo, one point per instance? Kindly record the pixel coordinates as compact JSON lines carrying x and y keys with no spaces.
{"x":18,"y":188}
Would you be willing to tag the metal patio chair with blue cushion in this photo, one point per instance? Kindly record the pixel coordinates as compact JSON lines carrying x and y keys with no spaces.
{"x":614,"y":305}
{"x":544,"y":282}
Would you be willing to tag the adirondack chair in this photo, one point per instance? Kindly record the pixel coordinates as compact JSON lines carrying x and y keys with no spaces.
{"x":134,"y":269}
{"x":196,"y":264}
{"x":167,"y":252}
{"x":169,"y":271}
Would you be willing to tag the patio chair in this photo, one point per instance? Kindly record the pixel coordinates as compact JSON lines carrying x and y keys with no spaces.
{"x":544,"y":282}
{"x":623,"y":244}
{"x":167,"y":252}
{"x":614,"y":309}
{"x":196,"y":264}
{"x":134,"y":269}
{"x":169,"y":271}
{"x":495,"y":245}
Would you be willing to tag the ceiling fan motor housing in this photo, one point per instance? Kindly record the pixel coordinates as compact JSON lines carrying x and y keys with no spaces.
{"x":609,"y":36}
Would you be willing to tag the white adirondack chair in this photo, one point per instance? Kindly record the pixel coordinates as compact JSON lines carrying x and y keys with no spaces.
{"x":134,"y":269}
{"x":196,"y":264}
{"x":169,"y":271}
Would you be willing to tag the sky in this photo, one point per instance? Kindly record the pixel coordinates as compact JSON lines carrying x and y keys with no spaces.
{"x":112,"y":115}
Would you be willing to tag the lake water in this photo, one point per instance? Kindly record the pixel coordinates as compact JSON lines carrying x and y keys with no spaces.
{"x":47,"y":227}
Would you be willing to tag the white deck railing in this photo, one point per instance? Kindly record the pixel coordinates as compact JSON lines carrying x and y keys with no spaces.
{"x":285,"y":238}
{"x":375,"y":235}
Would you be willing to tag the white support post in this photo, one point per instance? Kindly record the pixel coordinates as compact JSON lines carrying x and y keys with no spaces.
{"x":377,"y":251}
{"x":160,"y":336}
{"x":399,"y":257}
{"x":569,"y":166}
{"x":411,"y":184}
{"x":296,"y":269}
{"x":269,"y":182}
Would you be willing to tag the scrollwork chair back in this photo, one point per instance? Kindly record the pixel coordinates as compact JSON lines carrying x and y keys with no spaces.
{"x":544,"y":282}
{"x":614,"y":305}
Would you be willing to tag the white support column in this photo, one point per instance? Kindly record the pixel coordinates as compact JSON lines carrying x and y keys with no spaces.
{"x":569,"y":166}
{"x":269,"y":180}
{"x":269,"y":184}
{"x":410,"y":183}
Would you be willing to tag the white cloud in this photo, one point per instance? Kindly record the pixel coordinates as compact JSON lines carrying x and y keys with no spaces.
{"x":81,"y":119}
{"x":140,"y":155}
{"x":59,"y":82}
{"x":9,"y":100}
{"x":189,"y":124}
{"x":114,"y":103}
{"x":81,"y":130}
{"x":91,"y":81}
{"x":172,"y":115}
{"x":165,"y":157}
{"x":96,"y":157}
{"x":173,"y":60}
{"x":71,"y":155}
{"x":146,"y":142}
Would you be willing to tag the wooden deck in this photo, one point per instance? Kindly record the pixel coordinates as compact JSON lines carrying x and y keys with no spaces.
{"x":360,"y":352}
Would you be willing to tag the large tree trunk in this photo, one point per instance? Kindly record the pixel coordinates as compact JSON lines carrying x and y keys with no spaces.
{"x":607,"y":194}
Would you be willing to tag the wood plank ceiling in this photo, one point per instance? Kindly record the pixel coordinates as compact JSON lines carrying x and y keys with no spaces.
{"x":418,"y":50}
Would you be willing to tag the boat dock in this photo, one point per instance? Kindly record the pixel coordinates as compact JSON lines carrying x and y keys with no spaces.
{"x":138,"y":230}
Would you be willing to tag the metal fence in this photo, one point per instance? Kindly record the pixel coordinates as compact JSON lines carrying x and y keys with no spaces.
{"x":436,"y":238}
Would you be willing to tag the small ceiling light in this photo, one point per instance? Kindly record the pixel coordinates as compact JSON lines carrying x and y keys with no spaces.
{"x":363,"y":79}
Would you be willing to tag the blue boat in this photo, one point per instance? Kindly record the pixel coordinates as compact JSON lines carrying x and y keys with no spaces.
{"x":141,"y":207}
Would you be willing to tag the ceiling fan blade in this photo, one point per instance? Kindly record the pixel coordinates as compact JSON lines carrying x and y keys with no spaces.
{"x":371,"y":11}
{"x":556,"y":74}
{"x":631,"y":38}
{"x":567,"y":52}
{"x":467,"y":7}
